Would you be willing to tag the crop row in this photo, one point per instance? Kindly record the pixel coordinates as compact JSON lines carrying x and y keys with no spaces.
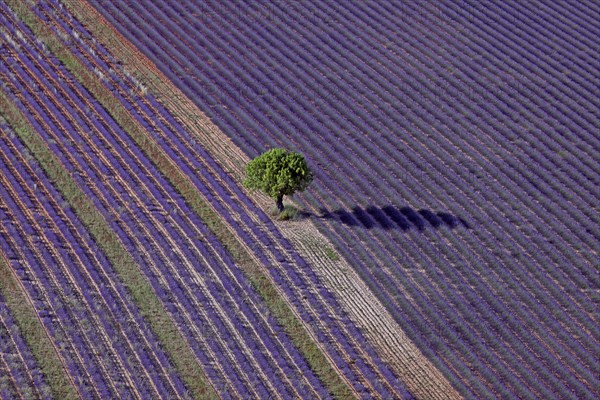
{"x":424,"y":149}
{"x":60,"y":292}
{"x":416,"y":124}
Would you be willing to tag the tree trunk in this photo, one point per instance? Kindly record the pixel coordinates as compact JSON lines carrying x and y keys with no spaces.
{"x":280,"y":203}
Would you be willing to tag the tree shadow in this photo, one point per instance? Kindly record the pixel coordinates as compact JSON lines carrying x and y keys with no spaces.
{"x":391,"y":217}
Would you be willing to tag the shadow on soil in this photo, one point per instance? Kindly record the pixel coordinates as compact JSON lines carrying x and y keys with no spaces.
{"x":391,"y":217}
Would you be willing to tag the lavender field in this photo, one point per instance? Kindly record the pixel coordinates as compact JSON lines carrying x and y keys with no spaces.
{"x":456,"y":153}
{"x":456,"y":150}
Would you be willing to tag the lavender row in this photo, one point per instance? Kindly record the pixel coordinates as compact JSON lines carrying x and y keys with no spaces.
{"x":298,"y":260}
{"x":143,"y":247}
{"x":37,"y":259}
{"x":118,"y":308}
{"x":417,"y":86}
{"x":446,"y":38}
{"x":12,"y":376}
{"x":581,"y":20}
{"x":537,"y":110}
{"x":583,"y":65}
{"x":24,"y":370}
{"x":21,"y":256}
{"x":114,"y":324}
{"x":450,"y":272}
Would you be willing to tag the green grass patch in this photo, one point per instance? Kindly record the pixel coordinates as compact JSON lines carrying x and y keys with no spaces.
{"x":289,"y":212}
{"x":331,"y":254}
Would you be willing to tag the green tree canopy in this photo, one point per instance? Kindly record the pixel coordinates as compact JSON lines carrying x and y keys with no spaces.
{"x":278,"y":173}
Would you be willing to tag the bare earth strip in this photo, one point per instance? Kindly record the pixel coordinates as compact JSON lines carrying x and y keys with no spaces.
{"x":423,"y":380}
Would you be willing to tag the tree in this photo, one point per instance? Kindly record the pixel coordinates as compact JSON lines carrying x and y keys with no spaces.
{"x":278,"y":173}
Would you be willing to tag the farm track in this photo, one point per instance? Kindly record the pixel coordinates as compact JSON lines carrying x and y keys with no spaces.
{"x":511,"y":207}
{"x":168,"y":97}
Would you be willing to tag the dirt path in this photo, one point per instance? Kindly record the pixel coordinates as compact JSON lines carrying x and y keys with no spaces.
{"x":420,"y":376}
{"x":422,"y":379}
